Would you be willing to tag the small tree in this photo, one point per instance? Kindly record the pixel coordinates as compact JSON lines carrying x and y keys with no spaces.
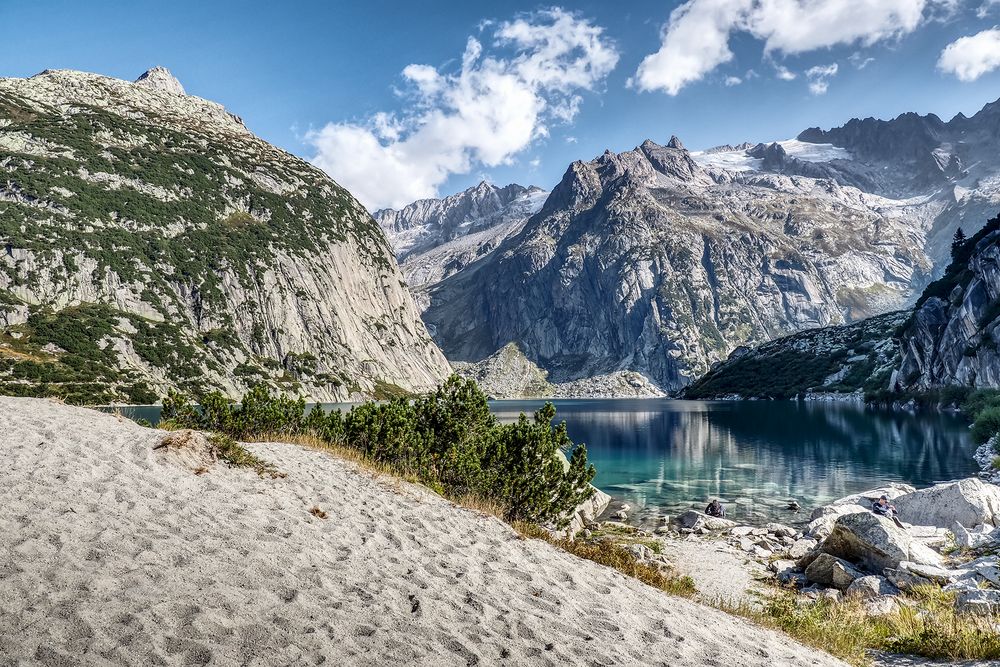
{"x":957,"y":243}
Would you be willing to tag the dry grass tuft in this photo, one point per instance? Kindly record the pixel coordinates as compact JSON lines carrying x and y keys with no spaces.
{"x":928,"y":627}
{"x":615,"y":556}
{"x":317,"y":512}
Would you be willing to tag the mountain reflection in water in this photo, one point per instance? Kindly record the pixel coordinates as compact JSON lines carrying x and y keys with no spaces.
{"x":664,"y":456}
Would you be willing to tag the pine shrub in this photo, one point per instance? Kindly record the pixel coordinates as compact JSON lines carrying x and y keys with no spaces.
{"x":448,"y":439}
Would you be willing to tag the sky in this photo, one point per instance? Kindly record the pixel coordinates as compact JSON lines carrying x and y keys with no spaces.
{"x":401,"y":100}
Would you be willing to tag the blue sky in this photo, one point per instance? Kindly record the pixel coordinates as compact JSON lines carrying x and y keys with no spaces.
{"x":325,"y":79}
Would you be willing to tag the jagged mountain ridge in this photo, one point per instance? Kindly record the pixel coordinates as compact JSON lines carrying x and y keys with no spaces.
{"x":435,"y":238}
{"x":151,"y":241}
{"x":862,"y":230}
{"x":646,"y":261}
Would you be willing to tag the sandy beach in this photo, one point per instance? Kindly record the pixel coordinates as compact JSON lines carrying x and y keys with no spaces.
{"x":112,"y":552}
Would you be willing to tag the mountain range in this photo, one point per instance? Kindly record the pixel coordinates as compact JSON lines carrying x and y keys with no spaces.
{"x":661,"y":261}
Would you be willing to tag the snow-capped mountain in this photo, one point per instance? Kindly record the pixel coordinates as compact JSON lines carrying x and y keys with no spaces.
{"x":434,"y":238}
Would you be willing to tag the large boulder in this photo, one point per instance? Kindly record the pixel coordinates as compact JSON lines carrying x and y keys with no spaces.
{"x":970,"y":502}
{"x":588,"y":511}
{"x":832,"y":571}
{"x":694,"y":520}
{"x":875,"y":543}
{"x":824,"y":517}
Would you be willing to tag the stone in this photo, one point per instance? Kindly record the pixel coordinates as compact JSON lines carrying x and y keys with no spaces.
{"x":904,"y":580}
{"x":746,"y":545}
{"x":981,"y":602}
{"x":741,"y":531}
{"x":761,"y":552}
{"x":832,"y":571}
{"x":974,"y":538}
{"x":831,"y":594}
{"x":160,"y":78}
{"x":938,"y":575}
{"x":881,"y":606}
{"x":693,"y":519}
{"x":620,"y":516}
{"x":802,"y":547}
{"x":875,"y":543}
{"x":970,"y":502}
{"x":780,"y":530}
{"x":641,"y":551}
{"x":585,"y":514}
{"x":821,"y":526}
{"x":871,"y":586}
{"x":661,"y":530}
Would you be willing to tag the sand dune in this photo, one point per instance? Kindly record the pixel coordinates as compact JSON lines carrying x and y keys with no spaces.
{"x":113,"y":553}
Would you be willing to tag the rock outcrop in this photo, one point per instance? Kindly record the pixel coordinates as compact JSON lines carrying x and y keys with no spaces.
{"x":970,"y":502}
{"x":149,"y":241}
{"x":951,"y":338}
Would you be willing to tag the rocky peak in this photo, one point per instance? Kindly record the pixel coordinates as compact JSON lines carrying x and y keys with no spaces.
{"x":160,"y":78}
{"x":675,"y":142}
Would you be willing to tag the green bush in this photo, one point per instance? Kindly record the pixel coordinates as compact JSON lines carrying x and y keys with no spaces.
{"x":447,"y":439}
{"x":986,"y":425}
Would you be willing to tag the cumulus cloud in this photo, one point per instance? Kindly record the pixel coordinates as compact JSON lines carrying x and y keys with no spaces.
{"x":819,"y":77}
{"x":695,"y":39}
{"x":733,"y":81}
{"x":968,"y":58}
{"x":489,"y":108}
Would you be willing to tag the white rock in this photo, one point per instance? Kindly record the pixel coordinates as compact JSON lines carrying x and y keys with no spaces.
{"x":970,"y":502}
{"x":160,"y":78}
{"x":871,"y":586}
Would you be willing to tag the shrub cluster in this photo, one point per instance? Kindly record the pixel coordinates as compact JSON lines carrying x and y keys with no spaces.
{"x":447,"y":439}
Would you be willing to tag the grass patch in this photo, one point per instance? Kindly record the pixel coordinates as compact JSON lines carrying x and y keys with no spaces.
{"x":606,"y":552}
{"x":930,"y":628}
{"x":238,"y":456}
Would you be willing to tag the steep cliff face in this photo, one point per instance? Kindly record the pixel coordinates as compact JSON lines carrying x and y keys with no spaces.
{"x":149,"y":240}
{"x":953,"y":336}
{"x":647,"y":261}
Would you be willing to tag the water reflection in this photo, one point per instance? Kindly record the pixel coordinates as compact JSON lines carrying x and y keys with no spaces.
{"x":665,"y":456}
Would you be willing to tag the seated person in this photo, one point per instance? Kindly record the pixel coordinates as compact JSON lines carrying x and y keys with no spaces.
{"x":883,"y":508}
{"x":716,"y":509}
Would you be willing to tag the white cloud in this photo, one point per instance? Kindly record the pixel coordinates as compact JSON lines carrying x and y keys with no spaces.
{"x":860,"y":61}
{"x":986,"y":8}
{"x":492,"y":107}
{"x":784,"y":73}
{"x":819,"y":77}
{"x":694,"y":42}
{"x":733,"y":81}
{"x":695,"y":39}
{"x":968,"y":58}
{"x":571,"y":139}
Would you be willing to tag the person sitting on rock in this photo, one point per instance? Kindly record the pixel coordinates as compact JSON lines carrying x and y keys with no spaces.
{"x":715,"y":509}
{"x":883,"y":508}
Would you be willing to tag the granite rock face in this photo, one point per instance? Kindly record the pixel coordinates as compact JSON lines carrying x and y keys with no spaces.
{"x":647,"y":261}
{"x":155,"y":241}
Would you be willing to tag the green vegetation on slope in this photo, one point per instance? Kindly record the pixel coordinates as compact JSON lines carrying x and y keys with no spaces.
{"x":166,"y":220}
{"x":448,"y":440}
{"x":840,"y":359}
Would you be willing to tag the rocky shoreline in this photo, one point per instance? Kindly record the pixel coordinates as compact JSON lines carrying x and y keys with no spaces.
{"x":948,"y":539}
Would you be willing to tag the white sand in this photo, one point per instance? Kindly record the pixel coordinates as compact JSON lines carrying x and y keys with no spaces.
{"x":111,"y":555}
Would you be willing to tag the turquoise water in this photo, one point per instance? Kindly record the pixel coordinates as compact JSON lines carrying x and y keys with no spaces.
{"x":663,"y":456}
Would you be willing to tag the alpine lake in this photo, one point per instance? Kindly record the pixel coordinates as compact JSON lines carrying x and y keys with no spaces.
{"x":664,"y":456}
